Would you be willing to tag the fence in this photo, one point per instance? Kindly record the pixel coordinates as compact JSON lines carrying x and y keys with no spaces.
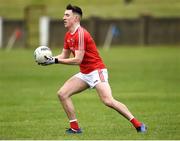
{"x":13,"y":29}
{"x":144,"y":30}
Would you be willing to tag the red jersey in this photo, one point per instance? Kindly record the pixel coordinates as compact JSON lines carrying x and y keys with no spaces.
{"x":82,"y":40}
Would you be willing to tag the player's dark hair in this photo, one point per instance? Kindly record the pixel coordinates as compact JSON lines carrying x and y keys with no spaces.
{"x":75,"y":9}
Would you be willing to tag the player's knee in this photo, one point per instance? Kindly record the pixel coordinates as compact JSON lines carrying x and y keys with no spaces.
{"x":108,"y":102}
{"x":62,"y":95}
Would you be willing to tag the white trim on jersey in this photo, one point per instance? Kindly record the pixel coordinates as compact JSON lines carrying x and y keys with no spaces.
{"x":81,"y":39}
{"x":75,"y":29}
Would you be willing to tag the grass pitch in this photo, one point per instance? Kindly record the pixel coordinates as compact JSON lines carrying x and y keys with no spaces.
{"x":146,"y":79}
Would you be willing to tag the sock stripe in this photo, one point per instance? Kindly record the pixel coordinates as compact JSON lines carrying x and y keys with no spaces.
{"x":73,"y":120}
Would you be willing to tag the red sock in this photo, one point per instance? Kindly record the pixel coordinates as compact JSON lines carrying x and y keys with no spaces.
{"x":135,"y":122}
{"x":74,"y":124}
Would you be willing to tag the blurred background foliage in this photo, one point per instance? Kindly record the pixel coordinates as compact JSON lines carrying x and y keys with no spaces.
{"x":105,"y":8}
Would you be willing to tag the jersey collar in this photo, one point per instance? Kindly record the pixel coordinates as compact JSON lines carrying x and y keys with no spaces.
{"x":75,"y":29}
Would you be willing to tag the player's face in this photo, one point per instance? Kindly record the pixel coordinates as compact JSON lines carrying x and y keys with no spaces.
{"x":69,"y":18}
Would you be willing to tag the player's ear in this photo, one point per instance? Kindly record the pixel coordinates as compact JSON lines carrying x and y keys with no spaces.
{"x":77,"y":17}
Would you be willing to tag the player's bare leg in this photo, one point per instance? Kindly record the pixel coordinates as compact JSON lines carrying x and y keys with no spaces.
{"x":72,"y":86}
{"x":105,"y":94}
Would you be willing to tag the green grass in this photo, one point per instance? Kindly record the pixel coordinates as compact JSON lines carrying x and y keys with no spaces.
{"x":146,"y":79}
{"x":105,"y":8}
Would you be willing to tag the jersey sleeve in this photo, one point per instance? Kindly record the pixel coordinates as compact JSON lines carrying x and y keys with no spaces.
{"x":81,"y":40}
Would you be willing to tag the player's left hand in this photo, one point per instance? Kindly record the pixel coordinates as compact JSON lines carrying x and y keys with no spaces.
{"x":49,"y":61}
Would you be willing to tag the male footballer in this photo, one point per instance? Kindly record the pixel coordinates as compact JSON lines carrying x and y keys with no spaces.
{"x":93,"y":72}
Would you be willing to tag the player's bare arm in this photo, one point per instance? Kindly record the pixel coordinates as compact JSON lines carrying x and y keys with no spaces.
{"x":64,"y":54}
{"x":76,"y":60}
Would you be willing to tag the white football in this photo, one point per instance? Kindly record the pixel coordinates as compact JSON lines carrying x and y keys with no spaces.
{"x":40,"y":52}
